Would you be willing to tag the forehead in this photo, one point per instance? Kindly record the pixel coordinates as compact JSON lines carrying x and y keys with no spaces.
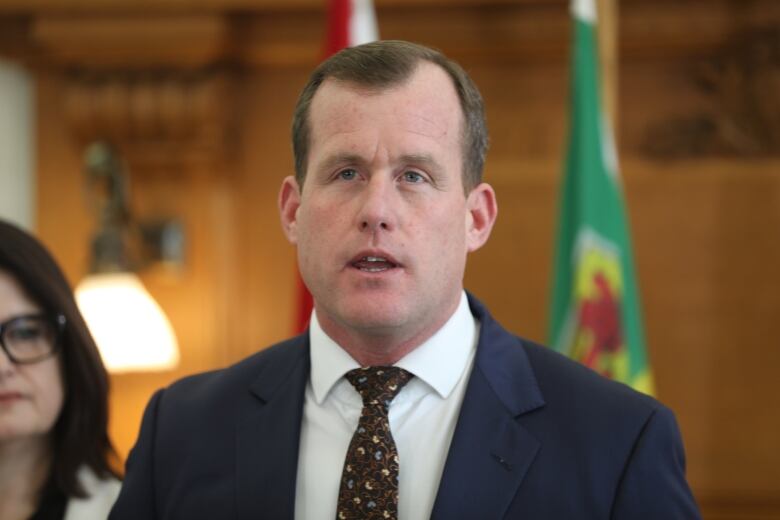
{"x":425,"y":104}
{"x":13,"y":297}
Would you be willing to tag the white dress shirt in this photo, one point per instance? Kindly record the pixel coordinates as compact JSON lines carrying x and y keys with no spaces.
{"x":422,"y":417}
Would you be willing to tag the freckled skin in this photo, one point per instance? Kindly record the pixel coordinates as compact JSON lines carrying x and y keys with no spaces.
{"x":384,"y":178}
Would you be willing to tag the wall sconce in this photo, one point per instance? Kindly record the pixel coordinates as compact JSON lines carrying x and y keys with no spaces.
{"x":130,"y":328}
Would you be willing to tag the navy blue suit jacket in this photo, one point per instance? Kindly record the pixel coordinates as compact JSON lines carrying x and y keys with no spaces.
{"x":538,"y":437}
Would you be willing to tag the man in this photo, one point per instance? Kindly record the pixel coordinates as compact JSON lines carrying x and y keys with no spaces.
{"x":470,"y":422}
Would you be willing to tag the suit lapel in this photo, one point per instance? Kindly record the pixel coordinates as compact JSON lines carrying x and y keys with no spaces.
{"x":268,"y":437}
{"x":490,"y":451}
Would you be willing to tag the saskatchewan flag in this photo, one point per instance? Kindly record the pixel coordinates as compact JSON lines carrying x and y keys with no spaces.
{"x":595,"y":315}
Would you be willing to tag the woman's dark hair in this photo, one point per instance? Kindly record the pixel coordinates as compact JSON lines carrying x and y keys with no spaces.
{"x":80,"y":435}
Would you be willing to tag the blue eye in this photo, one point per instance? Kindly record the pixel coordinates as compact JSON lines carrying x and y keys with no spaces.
{"x":348,"y":174}
{"x":413,"y":177}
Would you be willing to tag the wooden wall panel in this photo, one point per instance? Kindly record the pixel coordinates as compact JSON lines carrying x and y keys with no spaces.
{"x":193,"y":298}
{"x":706,"y":233}
{"x":267,"y":259}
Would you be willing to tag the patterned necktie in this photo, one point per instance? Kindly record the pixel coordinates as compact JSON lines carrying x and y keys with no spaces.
{"x":369,"y":481}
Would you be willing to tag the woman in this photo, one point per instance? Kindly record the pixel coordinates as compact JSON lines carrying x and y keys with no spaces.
{"x":56,"y":460}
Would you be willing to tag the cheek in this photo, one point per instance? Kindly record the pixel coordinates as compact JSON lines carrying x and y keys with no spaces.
{"x":323,"y":219}
{"x":449,"y":230}
{"x":314,"y":213}
{"x":320,"y":232}
{"x":50,"y":392}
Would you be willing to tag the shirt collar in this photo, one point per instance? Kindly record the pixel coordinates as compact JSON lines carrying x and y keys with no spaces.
{"x":439,"y":361}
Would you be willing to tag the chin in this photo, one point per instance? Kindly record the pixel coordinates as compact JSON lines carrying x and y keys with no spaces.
{"x":9,"y":433}
{"x":372,"y":315}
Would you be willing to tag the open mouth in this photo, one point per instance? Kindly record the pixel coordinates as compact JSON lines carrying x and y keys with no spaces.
{"x":374,"y":264}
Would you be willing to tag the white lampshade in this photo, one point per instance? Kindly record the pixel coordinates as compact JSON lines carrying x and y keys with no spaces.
{"x":129,"y":327}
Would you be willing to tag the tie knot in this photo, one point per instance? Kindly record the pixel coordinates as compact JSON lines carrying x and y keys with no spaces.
{"x":378,"y":385}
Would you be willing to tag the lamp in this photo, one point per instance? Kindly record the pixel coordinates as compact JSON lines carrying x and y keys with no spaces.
{"x":130,"y":328}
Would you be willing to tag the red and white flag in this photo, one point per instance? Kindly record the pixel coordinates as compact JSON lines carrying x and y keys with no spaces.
{"x":350,"y":23}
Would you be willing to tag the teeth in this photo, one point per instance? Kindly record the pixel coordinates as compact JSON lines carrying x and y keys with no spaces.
{"x":381,"y":264}
{"x":379,"y":260}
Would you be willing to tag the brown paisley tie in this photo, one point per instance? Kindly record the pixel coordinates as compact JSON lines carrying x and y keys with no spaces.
{"x":369,"y":481}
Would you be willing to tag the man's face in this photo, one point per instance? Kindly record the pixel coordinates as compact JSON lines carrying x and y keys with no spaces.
{"x":382,"y":224}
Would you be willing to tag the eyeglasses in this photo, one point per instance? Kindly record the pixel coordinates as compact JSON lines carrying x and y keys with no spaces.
{"x":31,"y":337}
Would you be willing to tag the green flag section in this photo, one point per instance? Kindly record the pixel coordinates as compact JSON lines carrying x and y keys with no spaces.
{"x":595,"y":315}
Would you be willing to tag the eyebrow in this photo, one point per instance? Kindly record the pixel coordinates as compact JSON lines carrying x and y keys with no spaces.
{"x":422,"y":159}
{"x":339,"y":159}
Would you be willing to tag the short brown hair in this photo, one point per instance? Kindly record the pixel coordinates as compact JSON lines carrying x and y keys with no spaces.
{"x":383,"y":64}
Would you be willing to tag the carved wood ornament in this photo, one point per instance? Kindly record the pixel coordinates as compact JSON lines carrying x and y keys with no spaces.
{"x":741,"y":85}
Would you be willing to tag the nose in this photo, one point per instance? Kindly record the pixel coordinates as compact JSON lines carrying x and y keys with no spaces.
{"x":377,"y":205}
{"x":6,"y":365}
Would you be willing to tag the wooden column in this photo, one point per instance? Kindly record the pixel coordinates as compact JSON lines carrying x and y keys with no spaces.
{"x":608,"y":56}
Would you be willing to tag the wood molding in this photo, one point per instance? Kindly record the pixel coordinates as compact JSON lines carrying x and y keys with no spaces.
{"x":289,"y":32}
{"x":160,"y":121}
{"x":159,"y":88}
{"x":180,"y":41}
{"x":208,"y":6}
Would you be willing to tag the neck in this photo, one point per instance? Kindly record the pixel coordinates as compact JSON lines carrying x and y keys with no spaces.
{"x":381,"y":347}
{"x":25,"y":467}
{"x":374,"y":350}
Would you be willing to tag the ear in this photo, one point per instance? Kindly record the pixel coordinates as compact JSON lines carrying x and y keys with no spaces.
{"x":289,"y":202}
{"x":482,"y":211}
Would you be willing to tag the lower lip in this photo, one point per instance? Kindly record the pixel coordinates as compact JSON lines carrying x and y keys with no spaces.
{"x":9,"y":398}
{"x":377,"y":271}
